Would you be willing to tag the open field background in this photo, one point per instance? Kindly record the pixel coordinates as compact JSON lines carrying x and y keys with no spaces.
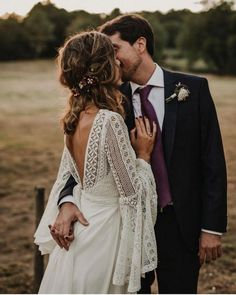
{"x":31,"y":103}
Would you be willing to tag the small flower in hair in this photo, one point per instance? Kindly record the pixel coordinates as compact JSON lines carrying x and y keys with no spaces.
{"x":75,"y":91}
{"x":85,"y":85}
{"x":88,"y":81}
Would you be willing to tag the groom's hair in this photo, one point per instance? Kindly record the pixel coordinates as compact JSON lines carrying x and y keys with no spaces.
{"x":131,"y":27}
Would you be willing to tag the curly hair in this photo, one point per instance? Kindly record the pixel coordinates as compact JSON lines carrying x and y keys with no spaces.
{"x":86,"y":57}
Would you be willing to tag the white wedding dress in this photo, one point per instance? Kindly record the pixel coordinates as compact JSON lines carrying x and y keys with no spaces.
{"x":118,"y":198}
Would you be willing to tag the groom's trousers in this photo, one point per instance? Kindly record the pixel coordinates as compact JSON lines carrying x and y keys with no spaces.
{"x":178,"y":266}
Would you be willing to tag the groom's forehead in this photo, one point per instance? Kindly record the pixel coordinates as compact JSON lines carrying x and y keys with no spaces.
{"x":116,"y":40}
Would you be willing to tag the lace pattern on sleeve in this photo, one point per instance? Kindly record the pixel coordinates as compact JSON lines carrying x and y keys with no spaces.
{"x":42,"y":235}
{"x":138,"y":203}
{"x":93,"y":170}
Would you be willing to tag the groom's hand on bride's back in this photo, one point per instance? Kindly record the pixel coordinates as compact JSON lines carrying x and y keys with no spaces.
{"x":62,"y":230}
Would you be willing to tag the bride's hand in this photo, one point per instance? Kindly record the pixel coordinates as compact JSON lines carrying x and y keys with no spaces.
{"x":62,"y":230}
{"x":143,"y":138}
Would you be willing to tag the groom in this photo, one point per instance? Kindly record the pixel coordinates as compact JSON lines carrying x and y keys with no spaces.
{"x":190,"y":170}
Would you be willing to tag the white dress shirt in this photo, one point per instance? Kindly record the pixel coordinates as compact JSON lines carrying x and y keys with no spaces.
{"x":157,"y":99}
{"x":156,"y":95}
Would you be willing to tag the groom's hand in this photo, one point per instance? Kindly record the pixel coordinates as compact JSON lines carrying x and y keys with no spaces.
{"x":209,"y":247}
{"x":62,"y":230}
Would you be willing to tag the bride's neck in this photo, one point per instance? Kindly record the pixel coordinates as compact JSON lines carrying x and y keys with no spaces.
{"x":91,"y":109}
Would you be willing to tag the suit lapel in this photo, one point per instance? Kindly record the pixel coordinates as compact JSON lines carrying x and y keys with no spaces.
{"x":171,"y":108}
{"x":125,"y":88}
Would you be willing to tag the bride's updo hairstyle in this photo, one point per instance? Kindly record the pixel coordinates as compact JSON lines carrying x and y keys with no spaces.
{"x":88,"y":68}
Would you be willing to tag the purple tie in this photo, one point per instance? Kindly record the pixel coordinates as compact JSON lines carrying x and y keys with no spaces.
{"x":157,"y":157}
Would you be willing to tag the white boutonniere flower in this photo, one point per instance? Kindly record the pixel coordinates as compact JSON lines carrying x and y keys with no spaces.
{"x":181,"y":92}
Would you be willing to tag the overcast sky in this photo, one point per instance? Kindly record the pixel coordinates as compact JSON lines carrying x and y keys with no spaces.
{"x":22,"y":7}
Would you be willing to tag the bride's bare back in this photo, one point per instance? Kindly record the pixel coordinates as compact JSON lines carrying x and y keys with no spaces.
{"x":77,"y":144}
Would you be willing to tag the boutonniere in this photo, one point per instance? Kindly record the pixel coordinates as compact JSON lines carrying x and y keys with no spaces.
{"x":181,"y":92}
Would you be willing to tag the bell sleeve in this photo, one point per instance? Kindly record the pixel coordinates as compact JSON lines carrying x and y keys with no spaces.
{"x":135,"y":182}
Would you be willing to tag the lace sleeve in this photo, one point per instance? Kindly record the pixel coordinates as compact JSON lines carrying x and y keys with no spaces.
{"x":42,"y":235}
{"x":138,"y":204}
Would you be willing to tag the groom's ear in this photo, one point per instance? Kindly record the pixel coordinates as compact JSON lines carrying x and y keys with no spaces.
{"x":141,"y":44}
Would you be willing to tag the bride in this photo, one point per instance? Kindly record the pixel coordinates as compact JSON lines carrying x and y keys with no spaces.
{"x":116,"y":188}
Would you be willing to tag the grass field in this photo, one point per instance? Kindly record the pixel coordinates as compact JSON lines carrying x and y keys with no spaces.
{"x":31,"y":103}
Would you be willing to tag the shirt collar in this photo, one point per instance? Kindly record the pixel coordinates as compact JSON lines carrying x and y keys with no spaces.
{"x":157,"y":79}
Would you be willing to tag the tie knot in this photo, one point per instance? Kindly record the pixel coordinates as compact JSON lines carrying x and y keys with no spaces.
{"x":144,"y":91}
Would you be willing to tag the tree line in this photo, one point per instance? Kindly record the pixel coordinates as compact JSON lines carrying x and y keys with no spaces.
{"x":209,"y":35}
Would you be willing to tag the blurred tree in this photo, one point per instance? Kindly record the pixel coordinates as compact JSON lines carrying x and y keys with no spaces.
{"x":208,"y":4}
{"x":173,"y":22}
{"x":58,"y":20}
{"x":14,"y":39}
{"x":175,"y":15}
{"x":172,"y":29}
{"x":39,"y":28}
{"x":231,"y":46}
{"x":159,"y":34}
{"x":83,"y":20}
{"x":115,"y":12}
{"x":191,"y":37}
{"x":210,"y":35}
{"x":217,"y":24}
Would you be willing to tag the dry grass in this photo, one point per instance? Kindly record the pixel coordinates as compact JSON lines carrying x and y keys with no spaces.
{"x":31,"y":102}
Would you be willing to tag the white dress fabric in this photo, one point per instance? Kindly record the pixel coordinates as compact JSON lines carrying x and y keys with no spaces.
{"x":118,"y":198}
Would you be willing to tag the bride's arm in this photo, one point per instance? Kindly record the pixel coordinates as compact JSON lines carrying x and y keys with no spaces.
{"x":60,"y":220}
{"x":62,"y":230}
{"x":138,"y":200}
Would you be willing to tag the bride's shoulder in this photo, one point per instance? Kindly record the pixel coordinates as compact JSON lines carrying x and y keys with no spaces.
{"x":115,"y":122}
{"x":113,"y":116}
